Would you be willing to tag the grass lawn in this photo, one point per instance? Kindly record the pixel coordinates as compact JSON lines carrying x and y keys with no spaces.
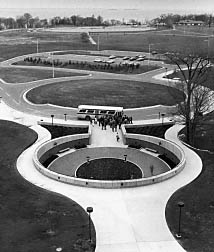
{"x":160,"y":41}
{"x":109,"y":169}
{"x":198,"y":212}
{"x":19,"y":75}
{"x":197,"y":223}
{"x":129,"y":94}
{"x":33,"y":219}
{"x":16,"y":43}
{"x":151,"y":130}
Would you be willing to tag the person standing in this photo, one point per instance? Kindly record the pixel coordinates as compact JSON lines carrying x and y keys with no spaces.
{"x":117,"y":137}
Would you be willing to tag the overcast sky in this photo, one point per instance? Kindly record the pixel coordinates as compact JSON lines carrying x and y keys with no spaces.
{"x":189,"y":5}
{"x":108,"y":9}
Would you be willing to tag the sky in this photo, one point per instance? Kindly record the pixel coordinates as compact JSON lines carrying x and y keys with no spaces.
{"x":150,"y":6}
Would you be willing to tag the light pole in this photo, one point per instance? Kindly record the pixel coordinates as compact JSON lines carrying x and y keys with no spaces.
{"x":162,"y":116}
{"x":180,"y":205}
{"x":149,"y":54}
{"x":52,"y":116}
{"x":65,"y":116}
{"x":125,"y":157}
{"x":166,"y":72}
{"x":89,"y":211}
{"x":98,"y":42}
{"x":37,"y":46}
{"x":52,"y":65}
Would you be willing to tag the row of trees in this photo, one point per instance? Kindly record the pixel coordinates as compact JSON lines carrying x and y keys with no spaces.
{"x":27,"y":21}
{"x":104,"y":67}
{"x":170,"y":19}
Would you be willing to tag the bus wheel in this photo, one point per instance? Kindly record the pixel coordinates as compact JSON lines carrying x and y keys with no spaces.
{"x":87,"y":118}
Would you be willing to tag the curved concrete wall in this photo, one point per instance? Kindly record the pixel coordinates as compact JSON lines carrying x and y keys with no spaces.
{"x":68,"y":163}
{"x":173,"y":148}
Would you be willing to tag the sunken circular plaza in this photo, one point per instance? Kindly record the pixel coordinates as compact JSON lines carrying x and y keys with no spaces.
{"x":71,"y":159}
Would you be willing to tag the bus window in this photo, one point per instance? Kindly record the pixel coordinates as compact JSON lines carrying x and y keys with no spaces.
{"x":90,"y":111}
{"x":82,"y":111}
{"x":103,"y":111}
{"x":111,"y":112}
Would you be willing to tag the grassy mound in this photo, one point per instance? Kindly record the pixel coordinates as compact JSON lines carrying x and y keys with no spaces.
{"x":109,"y":92}
{"x":33,"y":219}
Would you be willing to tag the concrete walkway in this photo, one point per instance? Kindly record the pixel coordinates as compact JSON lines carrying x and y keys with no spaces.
{"x":128,"y":219}
{"x":105,"y":137}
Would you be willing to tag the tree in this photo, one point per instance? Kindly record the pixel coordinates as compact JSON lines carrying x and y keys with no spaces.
{"x":27,"y":17}
{"x":198,"y":98}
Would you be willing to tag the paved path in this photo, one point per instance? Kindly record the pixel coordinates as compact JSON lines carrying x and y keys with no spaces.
{"x":105,"y":137}
{"x":128,"y":219}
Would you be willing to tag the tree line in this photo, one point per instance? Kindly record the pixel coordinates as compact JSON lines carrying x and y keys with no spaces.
{"x":28,"y":21}
{"x":170,"y":19}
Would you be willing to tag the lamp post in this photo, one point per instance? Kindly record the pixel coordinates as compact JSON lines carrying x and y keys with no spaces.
{"x":125,"y":157}
{"x":65,"y":116}
{"x":149,"y":54}
{"x":180,"y":205}
{"x":98,"y":42}
{"x":162,"y":116}
{"x":52,"y":116}
{"x":89,"y":211}
{"x":166,"y":72}
{"x":208,"y":45}
{"x":37,"y":46}
{"x":53,"y":74}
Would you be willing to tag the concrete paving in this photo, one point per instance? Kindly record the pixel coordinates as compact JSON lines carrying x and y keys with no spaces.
{"x":105,"y":137}
{"x":128,"y":219}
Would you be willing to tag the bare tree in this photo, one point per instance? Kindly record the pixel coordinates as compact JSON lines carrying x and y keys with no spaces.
{"x":193,"y":71}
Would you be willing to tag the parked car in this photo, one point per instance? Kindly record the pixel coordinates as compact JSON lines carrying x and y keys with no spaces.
{"x":112,"y":57}
{"x":140,"y":59}
{"x":133,"y":58}
{"x":98,"y":60}
{"x":126,"y":58}
{"x":110,"y":61}
{"x":154,"y":52}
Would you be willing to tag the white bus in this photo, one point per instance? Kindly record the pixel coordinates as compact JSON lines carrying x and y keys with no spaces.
{"x":88,"y":112}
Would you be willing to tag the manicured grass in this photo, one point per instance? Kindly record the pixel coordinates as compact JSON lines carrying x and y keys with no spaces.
{"x":16,"y":43}
{"x":197,"y":223}
{"x":152,"y":130}
{"x":161,"y":41}
{"x":109,"y":169}
{"x":59,"y":131}
{"x":198,"y":214}
{"x":19,"y":75}
{"x":33,"y":219}
{"x":20,"y":43}
{"x":129,"y":94}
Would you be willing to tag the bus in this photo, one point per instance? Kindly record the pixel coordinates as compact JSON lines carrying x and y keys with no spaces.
{"x":89,"y":112}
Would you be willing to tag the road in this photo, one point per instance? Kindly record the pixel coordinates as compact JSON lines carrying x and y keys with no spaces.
{"x":13,"y":93}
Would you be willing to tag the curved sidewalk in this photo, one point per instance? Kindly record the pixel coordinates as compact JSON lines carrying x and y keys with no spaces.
{"x":128,"y":219}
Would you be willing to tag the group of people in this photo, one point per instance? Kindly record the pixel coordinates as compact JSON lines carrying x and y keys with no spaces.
{"x":114,"y":121}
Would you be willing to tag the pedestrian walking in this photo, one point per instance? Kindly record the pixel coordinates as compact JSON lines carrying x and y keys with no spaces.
{"x":117,"y":137}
